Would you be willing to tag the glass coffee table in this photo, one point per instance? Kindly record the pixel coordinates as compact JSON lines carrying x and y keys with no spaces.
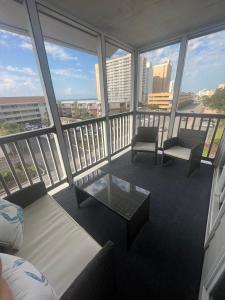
{"x":128,"y":201}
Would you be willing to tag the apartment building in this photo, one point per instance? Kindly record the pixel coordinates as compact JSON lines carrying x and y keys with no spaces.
{"x":23,"y":110}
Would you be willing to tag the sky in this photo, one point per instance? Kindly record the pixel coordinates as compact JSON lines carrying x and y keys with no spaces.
{"x":73,"y":71}
{"x":204,"y":64}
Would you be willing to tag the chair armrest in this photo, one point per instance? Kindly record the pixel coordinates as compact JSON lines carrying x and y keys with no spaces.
{"x":134,"y":140}
{"x":170,"y":143}
{"x":97,"y":281}
{"x":196,"y":150}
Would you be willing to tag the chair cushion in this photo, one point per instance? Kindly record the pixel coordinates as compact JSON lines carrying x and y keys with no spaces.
{"x":11,"y":225}
{"x":24,"y":280}
{"x":179,"y":152}
{"x":57,"y":245}
{"x":141,"y":146}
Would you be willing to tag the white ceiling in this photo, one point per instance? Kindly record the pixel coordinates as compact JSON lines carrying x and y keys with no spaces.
{"x":141,"y":22}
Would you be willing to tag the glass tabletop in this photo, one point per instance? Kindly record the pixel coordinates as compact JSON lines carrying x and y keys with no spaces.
{"x":119,"y":195}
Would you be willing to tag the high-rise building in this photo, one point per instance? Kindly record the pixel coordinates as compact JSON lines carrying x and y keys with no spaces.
{"x":118,"y":79}
{"x":145,"y":79}
{"x":162,"y":77}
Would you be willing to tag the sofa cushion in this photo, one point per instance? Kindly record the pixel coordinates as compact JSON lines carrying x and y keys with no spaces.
{"x":24,"y":280}
{"x":141,"y":146}
{"x":179,"y":152}
{"x":11,"y":225}
{"x":55,"y":243}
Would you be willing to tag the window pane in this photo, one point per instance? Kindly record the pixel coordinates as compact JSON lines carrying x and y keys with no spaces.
{"x":22,"y":102}
{"x":72,"y":57}
{"x":203,"y":84}
{"x":118,"y":68}
{"x":157,"y":71}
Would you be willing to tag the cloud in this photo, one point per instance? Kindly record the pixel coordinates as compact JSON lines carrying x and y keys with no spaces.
{"x":69,"y":72}
{"x":58,"y":52}
{"x":26,"y":45}
{"x":23,"y":70}
{"x":18,"y":85}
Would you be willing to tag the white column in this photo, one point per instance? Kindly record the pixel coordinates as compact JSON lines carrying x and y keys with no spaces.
{"x":135,"y":87}
{"x":39,"y":48}
{"x":103,"y":90}
{"x":177,"y":84}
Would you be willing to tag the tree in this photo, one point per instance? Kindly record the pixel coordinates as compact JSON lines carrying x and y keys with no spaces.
{"x":216,"y":101}
{"x":152,"y":106}
{"x":9,"y":128}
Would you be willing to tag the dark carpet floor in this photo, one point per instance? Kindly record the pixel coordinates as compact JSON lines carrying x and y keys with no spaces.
{"x":165,"y":260}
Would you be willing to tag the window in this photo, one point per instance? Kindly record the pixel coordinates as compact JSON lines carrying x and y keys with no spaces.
{"x":72,"y":57}
{"x":118,"y":71}
{"x":203,"y":87}
{"x":203,"y":84}
{"x":20,"y":84}
{"x":157,"y":71}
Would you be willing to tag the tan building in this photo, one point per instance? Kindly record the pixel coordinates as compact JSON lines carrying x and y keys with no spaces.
{"x":162,"y":77}
{"x":221,"y":86}
{"x":23,"y":110}
{"x":162,"y":100}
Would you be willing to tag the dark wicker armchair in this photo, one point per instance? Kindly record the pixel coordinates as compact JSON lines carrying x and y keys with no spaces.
{"x":188,"y":145}
{"x":146,"y":140}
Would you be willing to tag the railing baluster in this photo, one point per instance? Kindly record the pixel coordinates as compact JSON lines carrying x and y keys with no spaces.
{"x":83,"y":146}
{"x":78,"y":147}
{"x":193,"y":123}
{"x":93,"y":143}
{"x":11,"y":167}
{"x":213,"y":137}
{"x":45,"y":159}
{"x":179,"y":124}
{"x":67,"y":131}
{"x":99,"y":154}
{"x":88,"y":144}
{"x":117,"y":134}
{"x":164,"y":120}
{"x":54,"y":156}
{"x":4,"y":185}
{"x":200,"y":123}
{"x":103,"y":138}
{"x":120,"y":122}
{"x":100,"y":140}
{"x":30,"y":149}
{"x":23,"y":163}
{"x":186,"y":123}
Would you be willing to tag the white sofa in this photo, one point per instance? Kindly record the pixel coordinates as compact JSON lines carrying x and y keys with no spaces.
{"x":59,"y":247}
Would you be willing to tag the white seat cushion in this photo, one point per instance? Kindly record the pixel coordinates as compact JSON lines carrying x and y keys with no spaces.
{"x":179,"y":152}
{"x":57,"y":245}
{"x":140,"y":146}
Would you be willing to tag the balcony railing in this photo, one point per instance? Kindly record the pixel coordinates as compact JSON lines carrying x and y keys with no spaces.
{"x":212,"y":124}
{"x":28,"y":157}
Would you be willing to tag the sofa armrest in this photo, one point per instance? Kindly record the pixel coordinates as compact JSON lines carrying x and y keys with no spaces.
{"x":28,"y":195}
{"x":170,"y":143}
{"x":97,"y":281}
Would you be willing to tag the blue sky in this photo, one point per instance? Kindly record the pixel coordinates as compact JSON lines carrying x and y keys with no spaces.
{"x":73,"y":71}
{"x":204,"y":64}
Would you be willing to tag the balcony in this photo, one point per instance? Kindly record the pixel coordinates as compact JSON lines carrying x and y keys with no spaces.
{"x":179,"y":251}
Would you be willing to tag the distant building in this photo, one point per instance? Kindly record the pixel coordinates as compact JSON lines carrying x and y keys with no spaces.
{"x":21,"y":110}
{"x":221,"y":86}
{"x":77,"y":108}
{"x":161,"y":77}
{"x":185,"y":99}
{"x":161,"y":100}
{"x":145,"y":79}
{"x":118,"y":79}
{"x":205,"y":92}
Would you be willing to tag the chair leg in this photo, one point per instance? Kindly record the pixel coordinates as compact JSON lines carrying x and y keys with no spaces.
{"x":156,"y":157}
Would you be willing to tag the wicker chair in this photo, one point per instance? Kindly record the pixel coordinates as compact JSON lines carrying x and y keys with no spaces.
{"x":188,"y":145}
{"x":146,"y":140}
